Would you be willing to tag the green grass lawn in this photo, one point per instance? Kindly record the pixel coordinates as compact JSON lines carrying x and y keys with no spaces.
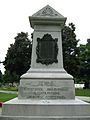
{"x":82,"y":92}
{"x":6,"y":96}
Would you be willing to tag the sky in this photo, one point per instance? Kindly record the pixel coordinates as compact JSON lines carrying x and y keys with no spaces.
{"x":14,"y":18}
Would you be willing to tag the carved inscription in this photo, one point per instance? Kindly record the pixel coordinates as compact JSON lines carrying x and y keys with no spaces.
{"x":43,"y":90}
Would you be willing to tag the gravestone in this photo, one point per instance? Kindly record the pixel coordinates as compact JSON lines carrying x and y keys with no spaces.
{"x":46,"y":91}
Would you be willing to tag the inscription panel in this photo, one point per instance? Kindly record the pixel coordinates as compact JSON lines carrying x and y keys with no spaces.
{"x":47,"y":50}
{"x":44,"y":90}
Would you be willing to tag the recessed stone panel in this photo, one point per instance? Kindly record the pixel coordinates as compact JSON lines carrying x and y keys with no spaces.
{"x":46,"y":89}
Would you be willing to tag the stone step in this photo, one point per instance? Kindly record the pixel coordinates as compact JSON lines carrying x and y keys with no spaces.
{"x":17,"y":107}
{"x":45,"y":118}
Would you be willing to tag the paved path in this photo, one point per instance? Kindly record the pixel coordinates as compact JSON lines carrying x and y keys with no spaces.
{"x":12,"y":92}
{"x":0,"y":110}
{"x":84,"y":98}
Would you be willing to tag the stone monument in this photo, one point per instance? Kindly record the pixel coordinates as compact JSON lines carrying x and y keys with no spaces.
{"x":46,"y":91}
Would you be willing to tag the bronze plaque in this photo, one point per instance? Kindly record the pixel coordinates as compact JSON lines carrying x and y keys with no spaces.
{"x":47,"y":50}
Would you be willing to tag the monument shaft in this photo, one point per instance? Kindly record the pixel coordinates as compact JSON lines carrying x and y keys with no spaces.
{"x":47,"y":79}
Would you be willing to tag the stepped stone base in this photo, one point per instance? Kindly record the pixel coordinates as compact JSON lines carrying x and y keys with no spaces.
{"x":46,"y":84}
{"x":16,"y":109}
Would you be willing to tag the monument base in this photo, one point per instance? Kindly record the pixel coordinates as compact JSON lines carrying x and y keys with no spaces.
{"x":46,"y":84}
{"x":17,"y":109}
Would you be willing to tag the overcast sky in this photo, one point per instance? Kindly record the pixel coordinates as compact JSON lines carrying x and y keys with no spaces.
{"x":14,"y":18}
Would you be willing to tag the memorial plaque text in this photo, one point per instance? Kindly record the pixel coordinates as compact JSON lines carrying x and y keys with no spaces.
{"x":47,"y":50}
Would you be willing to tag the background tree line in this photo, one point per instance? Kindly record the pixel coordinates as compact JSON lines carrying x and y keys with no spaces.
{"x":76,"y":58}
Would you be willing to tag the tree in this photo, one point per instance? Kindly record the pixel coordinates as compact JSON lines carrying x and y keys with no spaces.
{"x":18,"y":57}
{"x":1,"y":77}
{"x":70,"y":50}
{"x":10,"y":78}
{"x":84,"y":57}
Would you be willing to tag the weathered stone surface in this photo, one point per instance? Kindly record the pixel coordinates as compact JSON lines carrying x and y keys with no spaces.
{"x":46,"y":84}
{"x":45,"y":118}
{"x":46,"y":89}
{"x":55,"y":32}
{"x":47,"y":11}
{"x":49,"y":73}
{"x":46,"y":109}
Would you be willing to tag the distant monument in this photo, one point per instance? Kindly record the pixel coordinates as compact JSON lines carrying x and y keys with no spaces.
{"x":46,"y":91}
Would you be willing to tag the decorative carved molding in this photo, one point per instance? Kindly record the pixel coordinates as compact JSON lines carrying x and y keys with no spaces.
{"x":47,"y":12}
{"x":47,"y":50}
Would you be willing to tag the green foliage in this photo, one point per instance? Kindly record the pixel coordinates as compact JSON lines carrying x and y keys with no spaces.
{"x":18,"y":57}
{"x":70,"y":50}
{"x":1,"y":80}
{"x":0,"y":75}
{"x":10,"y":77}
{"x":84,"y":58}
